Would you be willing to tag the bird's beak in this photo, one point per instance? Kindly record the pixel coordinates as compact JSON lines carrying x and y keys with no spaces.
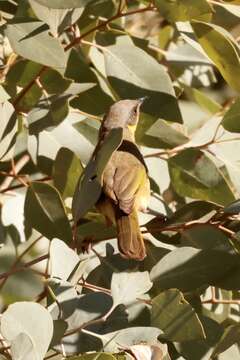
{"x":142,"y":99}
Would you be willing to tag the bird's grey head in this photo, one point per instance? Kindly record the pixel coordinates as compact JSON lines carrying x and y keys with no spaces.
{"x":123,"y":113}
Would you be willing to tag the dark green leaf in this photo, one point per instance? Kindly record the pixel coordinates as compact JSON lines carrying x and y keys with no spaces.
{"x":193,"y":174}
{"x":8,"y":128}
{"x":175,"y":317}
{"x":231,"y":120}
{"x":44,"y":211}
{"x":67,"y":169}
{"x":230,"y":336}
{"x":188,"y":268}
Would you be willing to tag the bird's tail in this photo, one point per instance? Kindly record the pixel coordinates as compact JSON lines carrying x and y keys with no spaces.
{"x":130,"y":240}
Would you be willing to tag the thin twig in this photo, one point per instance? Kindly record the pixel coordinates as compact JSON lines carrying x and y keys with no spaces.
{"x":77,"y":40}
{"x":24,"y":267}
{"x":13,"y":173}
{"x":10,"y":188}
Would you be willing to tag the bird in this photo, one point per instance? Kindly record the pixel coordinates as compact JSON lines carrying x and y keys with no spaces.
{"x":125,"y":181}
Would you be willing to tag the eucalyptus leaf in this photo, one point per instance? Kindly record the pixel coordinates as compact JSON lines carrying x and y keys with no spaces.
{"x":67,"y":169}
{"x":30,"y":39}
{"x":132,"y":78}
{"x":220,"y":48}
{"x":18,"y":328}
{"x":63,"y":260}
{"x":128,"y":286}
{"x":184,"y":10}
{"x":44,"y":211}
{"x":230,"y":120}
{"x":193,"y":174}
{"x":172,"y":314}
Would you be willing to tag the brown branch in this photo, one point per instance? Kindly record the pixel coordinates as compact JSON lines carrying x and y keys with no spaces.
{"x":46,"y":178}
{"x":14,"y":172}
{"x":118,"y":15}
{"x":24,"y":90}
{"x":24,"y":267}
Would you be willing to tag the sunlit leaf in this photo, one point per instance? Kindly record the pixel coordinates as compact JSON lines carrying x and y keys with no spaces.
{"x":128,"y":286}
{"x":133,"y":79}
{"x":18,"y":328}
{"x":31,"y":40}
{"x":221,"y":50}
{"x":184,"y":10}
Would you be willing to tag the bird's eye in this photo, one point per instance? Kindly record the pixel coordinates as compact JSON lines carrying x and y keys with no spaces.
{"x":135,"y":111}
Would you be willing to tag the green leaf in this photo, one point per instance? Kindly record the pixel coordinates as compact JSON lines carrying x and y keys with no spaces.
{"x":89,"y":129}
{"x":230,"y":337}
{"x":22,"y":286}
{"x":63,"y":259}
{"x":193,"y":174}
{"x":44,"y":211}
{"x":128,"y":286}
{"x":205,"y":236}
{"x":62,"y":4}
{"x":132,"y":78}
{"x":30,"y":39}
{"x":231,"y":118}
{"x":191,"y":211}
{"x":67,"y":169}
{"x":220,"y":48}
{"x":57,"y":19}
{"x":8,"y":128}
{"x":184,"y":10}
{"x":18,"y":325}
{"x":175,"y":317}
{"x":89,"y":188}
{"x":47,"y":114}
{"x":188,"y":268}
{"x":158,"y":133}
{"x":203,"y":100}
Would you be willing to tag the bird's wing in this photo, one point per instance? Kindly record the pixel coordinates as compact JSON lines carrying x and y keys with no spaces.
{"x":123,"y":179}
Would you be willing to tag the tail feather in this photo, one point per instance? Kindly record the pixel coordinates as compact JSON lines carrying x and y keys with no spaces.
{"x":130,"y":240}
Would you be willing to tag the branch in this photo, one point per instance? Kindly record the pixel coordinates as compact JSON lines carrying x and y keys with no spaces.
{"x":28,"y":87}
{"x":24,"y":267}
{"x":118,"y":15}
{"x":46,"y":178}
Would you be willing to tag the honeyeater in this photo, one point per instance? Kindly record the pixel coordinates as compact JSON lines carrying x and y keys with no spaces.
{"x":125,"y":182}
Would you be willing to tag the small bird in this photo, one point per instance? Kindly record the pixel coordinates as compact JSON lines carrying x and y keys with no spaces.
{"x":125,"y":182}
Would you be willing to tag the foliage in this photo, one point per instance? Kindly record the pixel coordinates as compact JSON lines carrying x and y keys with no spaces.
{"x":63,"y":63}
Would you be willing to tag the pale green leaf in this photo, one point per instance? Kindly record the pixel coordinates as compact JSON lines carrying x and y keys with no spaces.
{"x":18,"y":325}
